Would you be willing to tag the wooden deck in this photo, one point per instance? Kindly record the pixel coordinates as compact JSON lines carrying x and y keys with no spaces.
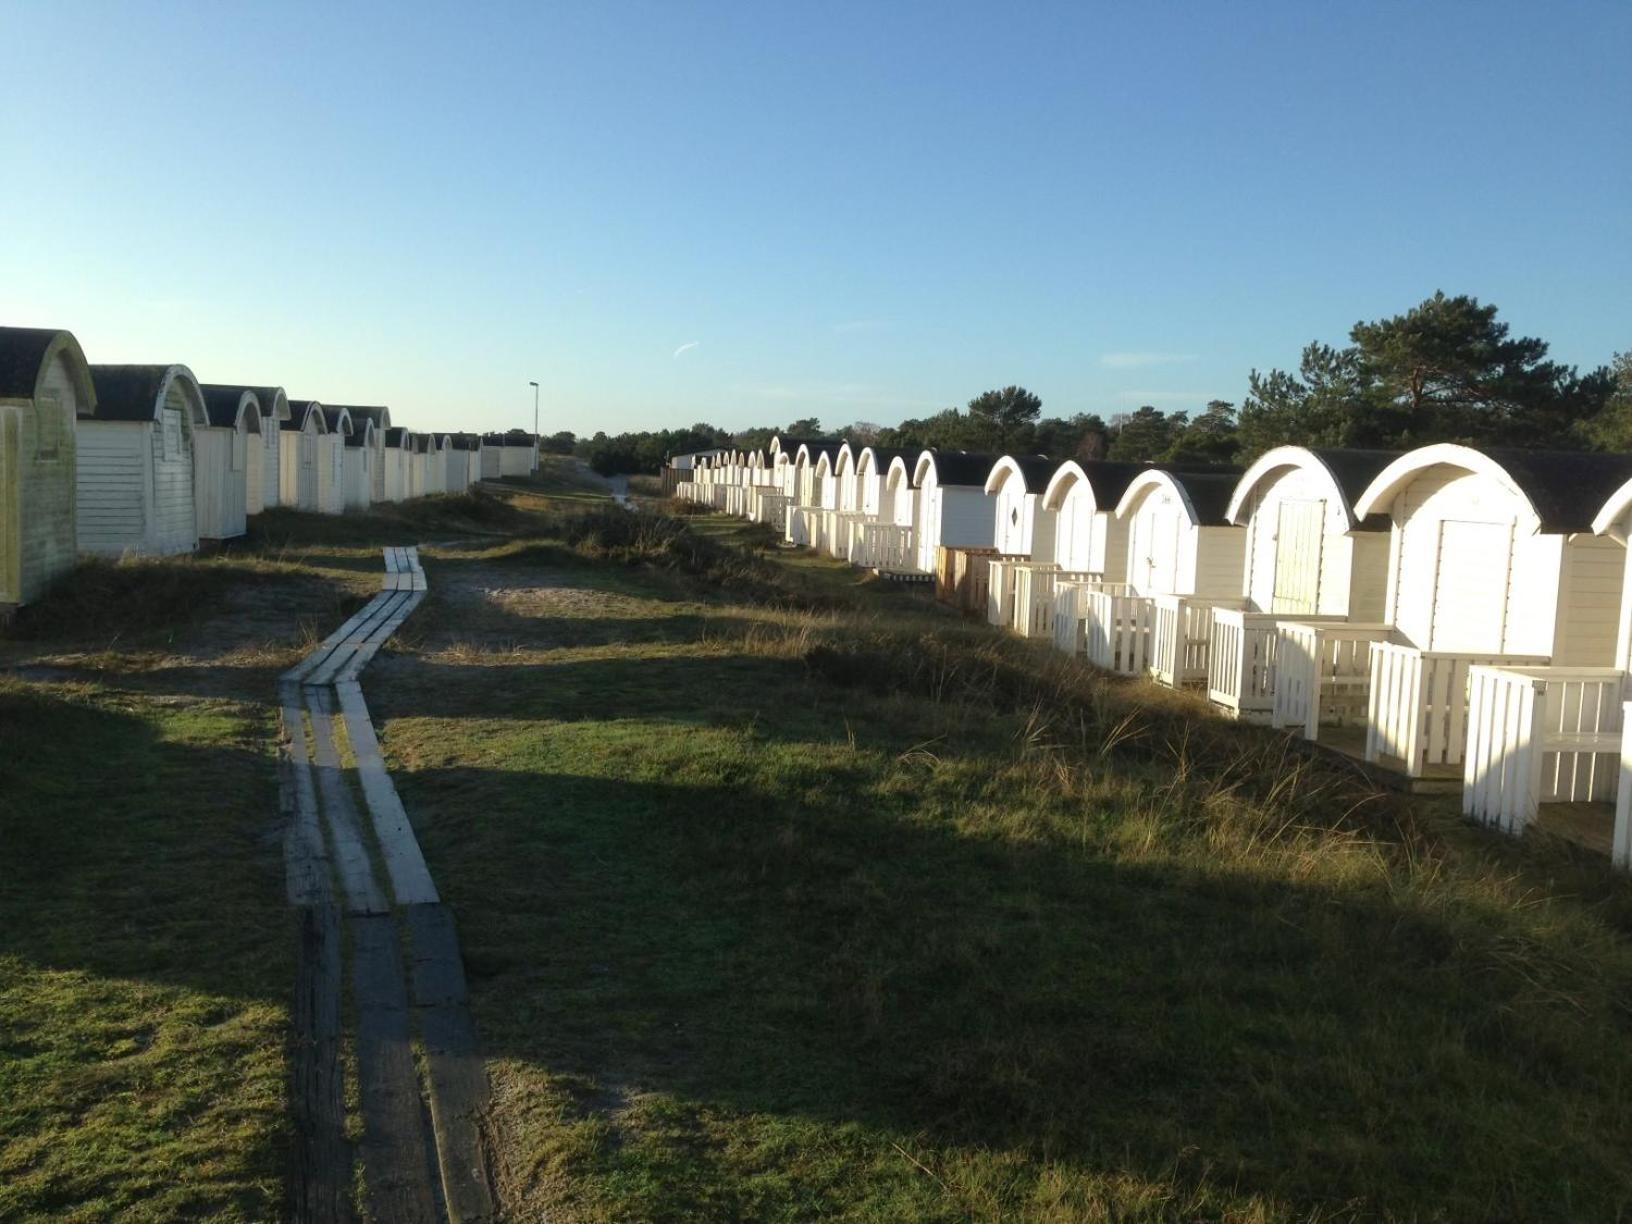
{"x":421,"y":1149}
{"x":1349,"y":742}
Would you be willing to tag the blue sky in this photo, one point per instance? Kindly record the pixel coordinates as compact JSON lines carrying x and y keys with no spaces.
{"x":854,"y":211}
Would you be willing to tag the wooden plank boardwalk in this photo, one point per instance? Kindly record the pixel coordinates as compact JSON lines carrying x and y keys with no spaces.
{"x":422,"y":1150}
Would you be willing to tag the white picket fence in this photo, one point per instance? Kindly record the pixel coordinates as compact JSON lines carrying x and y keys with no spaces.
{"x":1000,"y":591}
{"x":1242,"y":665}
{"x":766,"y":505}
{"x":1181,"y":642}
{"x":836,"y":532}
{"x":1323,"y":673}
{"x":1540,"y":735}
{"x":884,"y":546}
{"x":1033,"y":606}
{"x":1418,"y":712}
{"x":1117,"y":629}
{"x":803,"y":522}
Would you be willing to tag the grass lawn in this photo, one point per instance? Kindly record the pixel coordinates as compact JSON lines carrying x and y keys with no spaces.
{"x":146,"y":953}
{"x":787,"y":896}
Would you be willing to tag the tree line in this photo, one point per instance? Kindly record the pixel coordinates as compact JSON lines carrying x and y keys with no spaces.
{"x":1447,"y":370}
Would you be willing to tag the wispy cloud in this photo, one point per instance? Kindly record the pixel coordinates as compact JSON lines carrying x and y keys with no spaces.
{"x":1139,"y":361}
{"x":859,"y":325}
{"x":687,"y":347}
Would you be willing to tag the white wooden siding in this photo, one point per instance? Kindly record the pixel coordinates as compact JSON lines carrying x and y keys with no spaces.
{"x":1589,"y":599}
{"x":38,"y":491}
{"x":272,"y":477}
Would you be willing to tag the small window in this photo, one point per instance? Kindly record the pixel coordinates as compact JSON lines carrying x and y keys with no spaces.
{"x":172,"y":434}
{"x":47,"y":426}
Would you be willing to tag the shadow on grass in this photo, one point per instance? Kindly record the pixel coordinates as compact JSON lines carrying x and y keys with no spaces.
{"x":850,"y":961}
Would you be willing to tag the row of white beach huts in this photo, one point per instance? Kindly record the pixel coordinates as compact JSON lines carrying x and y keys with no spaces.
{"x":114,"y":460}
{"x":1451,"y":614}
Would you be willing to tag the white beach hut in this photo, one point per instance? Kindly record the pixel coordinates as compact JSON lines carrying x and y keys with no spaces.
{"x":1491,"y":561}
{"x":436,"y":463}
{"x":954,"y":509}
{"x":1310,"y":559}
{"x":883,"y":539}
{"x":134,"y":491}
{"x":1184,"y":559}
{"x":274,"y":412}
{"x":359,"y":458}
{"x":227,"y":460}
{"x":1090,"y":541}
{"x":332,"y":454}
{"x":457,"y":456}
{"x":518,"y":454}
{"x":1020,"y":594}
{"x":380,"y":418}
{"x":395,"y":456}
{"x":492,"y":456}
{"x":45,"y":384}
{"x":303,"y":456}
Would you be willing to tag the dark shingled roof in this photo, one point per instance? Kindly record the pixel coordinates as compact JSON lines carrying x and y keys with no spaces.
{"x":332,"y":414}
{"x":885,"y":455}
{"x":222,"y":404}
{"x":267,"y":396}
{"x":1567,"y":488}
{"x":129,"y":392}
{"x":22,"y":353}
{"x":466,"y":441}
{"x":962,"y":467}
{"x":298,"y":410}
{"x":1109,"y":480}
{"x":359,"y":434}
{"x":493,"y":439}
{"x":1209,"y":493}
{"x":396,"y":436}
{"x":363,"y":413}
{"x":1035,"y":470}
{"x":1354,"y":469}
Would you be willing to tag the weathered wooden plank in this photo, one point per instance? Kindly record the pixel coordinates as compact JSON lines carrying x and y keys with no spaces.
{"x":306,"y":862}
{"x":379,"y":611}
{"x":362,"y":891}
{"x":320,"y":1174}
{"x":396,"y":1173}
{"x":459,"y":1090}
{"x":410,"y":878}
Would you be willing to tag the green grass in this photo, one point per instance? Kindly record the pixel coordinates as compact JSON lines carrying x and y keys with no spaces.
{"x":786,"y":895}
{"x":144,"y":957}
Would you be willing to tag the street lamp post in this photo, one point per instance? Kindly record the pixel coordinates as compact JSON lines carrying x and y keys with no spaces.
{"x":536,"y":445}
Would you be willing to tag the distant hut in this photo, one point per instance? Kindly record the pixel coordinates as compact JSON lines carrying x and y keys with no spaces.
{"x":360,"y":464}
{"x":260,"y":448}
{"x":331,"y":471}
{"x":492,"y":455}
{"x":519,"y":454}
{"x":134,"y":491}
{"x":416,"y":465}
{"x":395,"y":455}
{"x":436,"y":464}
{"x":226,"y":461}
{"x":303,"y":452}
{"x":274,"y":412}
{"x":954,"y":510}
{"x":462,"y":459}
{"x":44,"y":385}
{"x":381,"y":419}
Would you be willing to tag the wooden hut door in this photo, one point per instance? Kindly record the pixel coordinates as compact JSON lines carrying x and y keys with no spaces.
{"x":11,"y":510}
{"x":1470,"y":586}
{"x":1298,"y":536}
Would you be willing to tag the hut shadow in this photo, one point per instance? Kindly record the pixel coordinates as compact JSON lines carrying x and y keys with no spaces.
{"x":850,"y":962}
{"x":131,"y":856}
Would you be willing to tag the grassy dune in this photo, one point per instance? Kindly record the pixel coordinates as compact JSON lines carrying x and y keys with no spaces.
{"x":787,"y":895}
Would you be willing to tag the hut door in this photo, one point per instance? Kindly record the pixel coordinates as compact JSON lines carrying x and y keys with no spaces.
{"x":1470,"y":586}
{"x":11,"y":510}
{"x":1297,"y":556}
